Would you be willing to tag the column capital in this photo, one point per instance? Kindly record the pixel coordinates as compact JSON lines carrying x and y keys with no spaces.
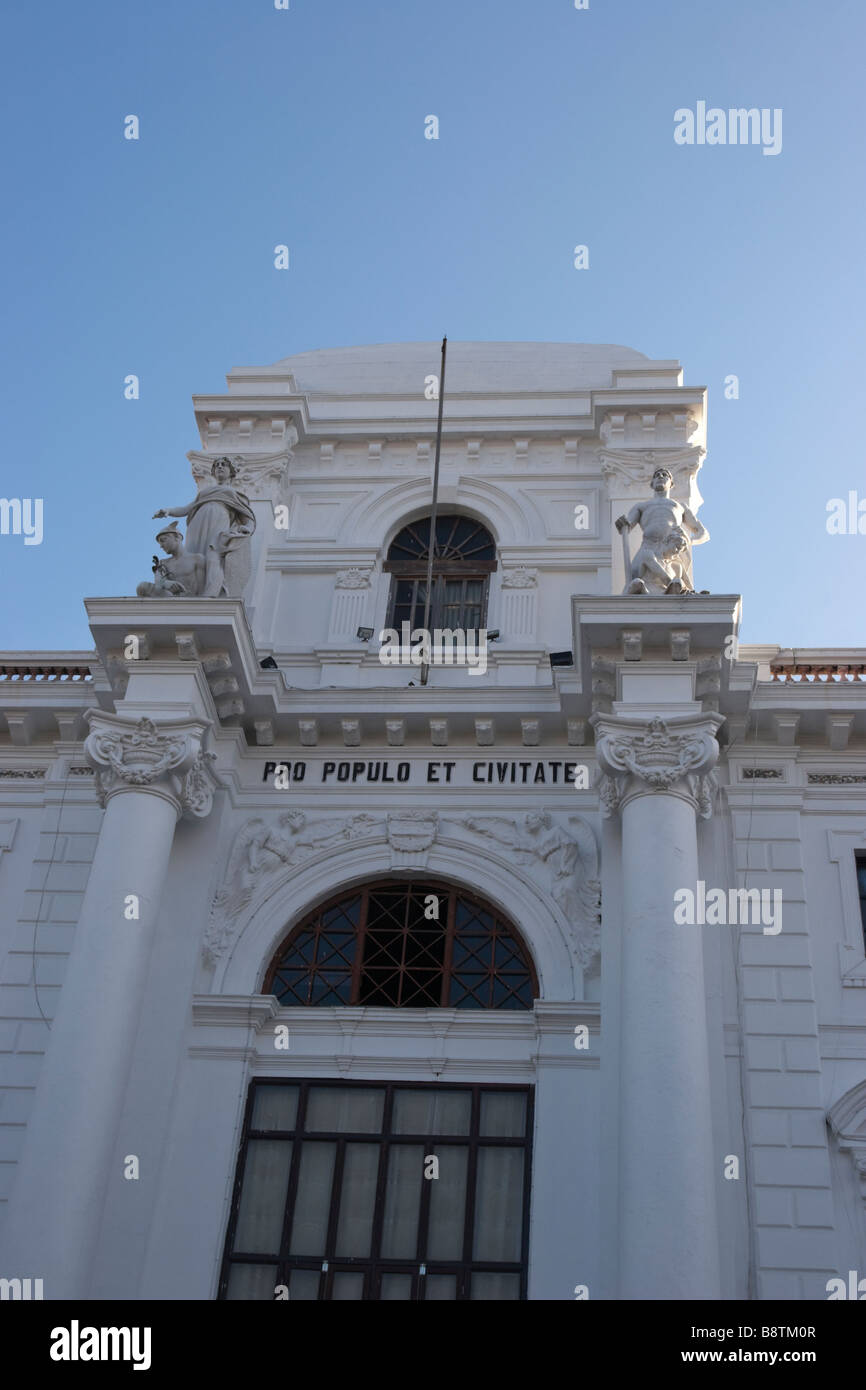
{"x":166,"y":759}
{"x":641,"y":757}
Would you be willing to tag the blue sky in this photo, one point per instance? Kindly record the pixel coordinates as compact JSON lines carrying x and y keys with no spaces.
{"x":306,"y":127}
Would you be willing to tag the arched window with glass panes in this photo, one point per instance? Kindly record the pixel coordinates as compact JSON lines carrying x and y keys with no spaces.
{"x":391,"y":1189}
{"x":464,"y":557}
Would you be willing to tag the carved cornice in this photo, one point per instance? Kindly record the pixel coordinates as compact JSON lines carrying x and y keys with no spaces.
{"x":259,"y":476}
{"x":166,"y":759}
{"x":639,"y":757}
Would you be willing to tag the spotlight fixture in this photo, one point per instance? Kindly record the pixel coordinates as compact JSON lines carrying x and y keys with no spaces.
{"x":562,"y":658}
{"x":494,"y":635}
{"x":364,"y":634}
{"x":269,"y":664}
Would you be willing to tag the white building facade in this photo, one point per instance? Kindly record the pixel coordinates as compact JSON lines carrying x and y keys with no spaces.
{"x":545,"y":980}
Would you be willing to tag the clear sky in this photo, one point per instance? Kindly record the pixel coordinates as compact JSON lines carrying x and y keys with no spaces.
{"x":306,"y":127}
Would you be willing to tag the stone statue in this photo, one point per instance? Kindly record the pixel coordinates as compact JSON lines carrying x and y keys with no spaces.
{"x":181,"y":575}
{"x":219,"y":524}
{"x":663,"y":563}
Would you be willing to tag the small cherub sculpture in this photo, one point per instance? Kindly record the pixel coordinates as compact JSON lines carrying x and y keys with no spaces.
{"x":182,"y":575}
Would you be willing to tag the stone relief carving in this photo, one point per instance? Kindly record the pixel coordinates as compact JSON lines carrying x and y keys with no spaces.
{"x":263,"y":846}
{"x":412,"y":830}
{"x":141,"y":755}
{"x":220,"y":522}
{"x":663,"y":562}
{"x":834,"y":779}
{"x":565,"y":861}
{"x":568,"y":860}
{"x":520,"y":578}
{"x":353,"y":578}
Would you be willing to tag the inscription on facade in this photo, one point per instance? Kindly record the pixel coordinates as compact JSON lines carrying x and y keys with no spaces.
{"x":489,"y":771}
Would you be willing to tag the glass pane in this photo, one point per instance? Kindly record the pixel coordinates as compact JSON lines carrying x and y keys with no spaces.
{"x":503,"y":1114}
{"x":396,"y":1286}
{"x":431,"y":1112}
{"x":304,"y":1285}
{"x":313,"y":1201}
{"x":347,"y":1286}
{"x":440,"y":1286}
{"x":498,"y":1205}
{"x":358,"y":1197}
{"x":448,"y":1205}
{"x":252,"y":1283}
{"x":344,"y":1109}
{"x":275,"y":1107}
{"x":263,"y":1198}
{"x":495,"y":1286}
{"x":402,"y":1199}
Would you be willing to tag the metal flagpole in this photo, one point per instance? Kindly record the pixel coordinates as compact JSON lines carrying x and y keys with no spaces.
{"x":425,"y":668}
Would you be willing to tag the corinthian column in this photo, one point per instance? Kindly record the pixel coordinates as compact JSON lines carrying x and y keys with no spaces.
{"x":146,"y":776}
{"x":658,"y":776}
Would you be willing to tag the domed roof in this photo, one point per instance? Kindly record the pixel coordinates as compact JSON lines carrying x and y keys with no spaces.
{"x":397,"y":368}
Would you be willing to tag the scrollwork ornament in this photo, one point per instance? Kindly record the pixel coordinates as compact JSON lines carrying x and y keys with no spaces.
{"x":125,"y":756}
{"x":659,"y":756}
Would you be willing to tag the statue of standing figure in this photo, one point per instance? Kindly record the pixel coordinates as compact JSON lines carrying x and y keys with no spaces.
{"x":663,"y":562}
{"x":220,"y":522}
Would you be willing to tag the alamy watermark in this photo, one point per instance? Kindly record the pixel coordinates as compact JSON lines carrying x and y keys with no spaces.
{"x":441,"y":647}
{"x":721,"y":907}
{"x":736,"y":126}
{"x":22,"y":516}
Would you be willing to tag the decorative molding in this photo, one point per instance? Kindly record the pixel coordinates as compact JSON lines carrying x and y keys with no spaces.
{"x":762,"y":774}
{"x":259,"y":476}
{"x":566,"y":860}
{"x":167,"y":759}
{"x":22,"y":772}
{"x":847,"y":1122}
{"x":842,"y":846}
{"x":835,"y":779}
{"x":561,"y":859}
{"x":521,"y":577}
{"x":265,"y":846}
{"x":637,"y":757}
{"x":635,"y":467}
{"x":410,"y":835}
{"x":353,"y":578}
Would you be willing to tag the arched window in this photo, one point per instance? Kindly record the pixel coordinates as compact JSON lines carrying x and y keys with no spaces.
{"x":404,"y":945}
{"x":464,"y":557}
